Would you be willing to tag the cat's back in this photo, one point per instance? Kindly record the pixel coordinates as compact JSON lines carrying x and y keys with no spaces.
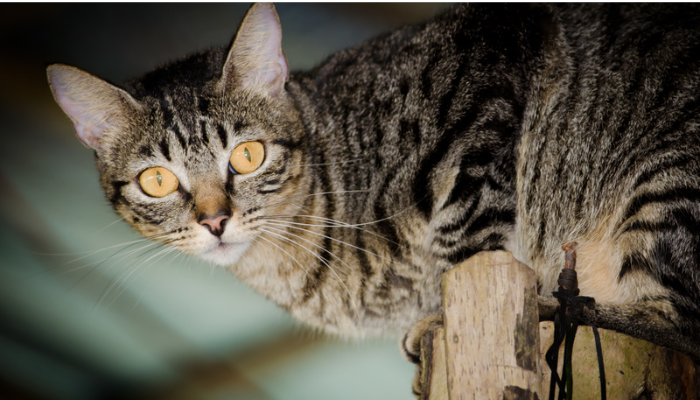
{"x":610,"y":157}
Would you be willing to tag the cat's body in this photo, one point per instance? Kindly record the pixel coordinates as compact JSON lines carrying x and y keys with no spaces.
{"x":490,"y":127}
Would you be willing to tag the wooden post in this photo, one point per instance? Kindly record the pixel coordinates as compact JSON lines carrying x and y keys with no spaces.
{"x":491,"y":324}
{"x":490,"y":346}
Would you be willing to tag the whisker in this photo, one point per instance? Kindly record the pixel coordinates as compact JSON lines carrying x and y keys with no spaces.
{"x":325,"y":262}
{"x":350,"y":270}
{"x":332,"y":224}
{"x":306,"y":271}
{"x":122,"y":255}
{"x":88,"y":253}
{"x":172,"y":259}
{"x":94,"y":267}
{"x":330,"y":163}
{"x":121,"y":252}
{"x":341,"y":223}
{"x":120,"y":247}
{"x":292,"y":226}
{"x":116,"y":281}
{"x":110,"y":224}
{"x":315,"y":245}
{"x":293,"y":199}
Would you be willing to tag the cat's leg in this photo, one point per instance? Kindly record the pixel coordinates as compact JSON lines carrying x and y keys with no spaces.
{"x":653,"y":320}
{"x":411,"y":345}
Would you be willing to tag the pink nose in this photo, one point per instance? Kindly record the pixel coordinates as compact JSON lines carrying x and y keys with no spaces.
{"x":215,"y":224}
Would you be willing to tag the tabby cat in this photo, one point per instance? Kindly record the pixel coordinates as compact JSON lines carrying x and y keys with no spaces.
{"x":344,"y":192}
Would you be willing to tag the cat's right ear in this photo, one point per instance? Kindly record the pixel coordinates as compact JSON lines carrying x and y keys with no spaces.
{"x":256,"y":60}
{"x":96,"y":107}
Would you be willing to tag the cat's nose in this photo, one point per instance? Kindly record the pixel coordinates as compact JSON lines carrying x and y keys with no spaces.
{"x":215,"y":224}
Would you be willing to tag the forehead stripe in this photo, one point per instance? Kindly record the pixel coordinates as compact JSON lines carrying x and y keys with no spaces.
{"x":167,"y":115}
{"x":179,"y":136}
{"x":203,"y":128}
{"x":223,"y":135}
{"x":165,"y":148}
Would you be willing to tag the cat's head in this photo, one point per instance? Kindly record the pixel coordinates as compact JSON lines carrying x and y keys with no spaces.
{"x":197,"y":153}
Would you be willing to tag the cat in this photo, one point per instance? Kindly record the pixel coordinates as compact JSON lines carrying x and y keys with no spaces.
{"x":344,"y":192}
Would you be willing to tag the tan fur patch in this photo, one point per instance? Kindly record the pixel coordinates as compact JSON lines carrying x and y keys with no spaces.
{"x":599,"y":261}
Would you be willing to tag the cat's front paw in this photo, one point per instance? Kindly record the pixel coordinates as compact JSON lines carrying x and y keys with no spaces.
{"x":412,"y":342}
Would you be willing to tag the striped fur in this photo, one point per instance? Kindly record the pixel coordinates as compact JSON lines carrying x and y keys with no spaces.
{"x":489,"y":127}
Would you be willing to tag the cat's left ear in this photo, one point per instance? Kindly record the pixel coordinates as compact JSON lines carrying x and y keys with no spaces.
{"x":256,"y":60}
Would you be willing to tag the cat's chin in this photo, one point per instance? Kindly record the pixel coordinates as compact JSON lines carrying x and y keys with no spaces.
{"x":225,"y":254}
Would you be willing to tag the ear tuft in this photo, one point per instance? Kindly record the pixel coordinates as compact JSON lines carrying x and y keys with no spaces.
{"x":256,"y":60}
{"x":96,"y":107}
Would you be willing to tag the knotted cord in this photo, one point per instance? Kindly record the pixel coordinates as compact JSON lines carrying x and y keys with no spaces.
{"x":566,"y":323}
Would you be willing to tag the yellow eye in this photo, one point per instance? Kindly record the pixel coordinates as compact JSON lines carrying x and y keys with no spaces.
{"x":158,"y":182}
{"x":247,"y":157}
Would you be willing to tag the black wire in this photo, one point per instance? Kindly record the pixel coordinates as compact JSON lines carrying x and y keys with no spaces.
{"x":568,"y":369}
{"x":552,"y":357}
{"x":565,"y":327}
{"x":601,"y":366}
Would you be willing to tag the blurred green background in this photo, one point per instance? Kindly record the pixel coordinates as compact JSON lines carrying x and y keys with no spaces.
{"x":85,"y":313}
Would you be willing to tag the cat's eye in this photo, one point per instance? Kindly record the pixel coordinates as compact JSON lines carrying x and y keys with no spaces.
{"x":158,"y":182}
{"x":247,"y":157}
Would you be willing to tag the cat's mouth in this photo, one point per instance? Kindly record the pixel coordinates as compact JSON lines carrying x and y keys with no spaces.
{"x":224,"y":253}
{"x":225,"y":246}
